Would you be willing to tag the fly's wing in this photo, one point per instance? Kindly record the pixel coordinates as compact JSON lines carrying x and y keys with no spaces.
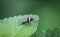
{"x":13,"y":27}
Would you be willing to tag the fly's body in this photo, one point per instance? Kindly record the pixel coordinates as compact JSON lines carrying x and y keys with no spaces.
{"x":27,"y":20}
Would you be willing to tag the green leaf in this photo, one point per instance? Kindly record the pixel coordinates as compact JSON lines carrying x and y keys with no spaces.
{"x":12,"y":27}
{"x":53,"y":33}
{"x":56,"y":32}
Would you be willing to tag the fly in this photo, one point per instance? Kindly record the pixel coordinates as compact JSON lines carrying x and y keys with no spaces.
{"x":27,"y":20}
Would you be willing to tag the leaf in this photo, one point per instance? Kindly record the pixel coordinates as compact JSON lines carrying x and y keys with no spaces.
{"x":56,"y":32}
{"x":53,"y":33}
{"x":12,"y":27}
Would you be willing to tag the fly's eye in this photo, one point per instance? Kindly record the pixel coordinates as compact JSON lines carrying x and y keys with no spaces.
{"x":31,"y":19}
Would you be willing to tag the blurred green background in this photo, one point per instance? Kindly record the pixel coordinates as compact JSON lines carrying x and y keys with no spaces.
{"x":47,"y":10}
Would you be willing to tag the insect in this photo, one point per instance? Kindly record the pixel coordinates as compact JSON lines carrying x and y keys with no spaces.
{"x":27,"y":20}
